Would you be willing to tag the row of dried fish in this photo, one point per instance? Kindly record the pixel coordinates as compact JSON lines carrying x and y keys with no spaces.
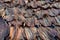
{"x":33,"y":4}
{"x":45,"y":17}
{"x":33,"y":33}
{"x":44,"y":5}
{"x":30,"y":12}
{"x":48,"y":21}
{"x":30,"y":0}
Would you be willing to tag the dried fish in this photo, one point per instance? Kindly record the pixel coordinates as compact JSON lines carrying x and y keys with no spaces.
{"x":43,"y":34}
{"x":20,"y":34}
{"x":20,"y":2}
{"x":55,"y":12}
{"x":40,"y":3}
{"x":32,"y":4}
{"x":58,"y":32}
{"x":7,"y":0}
{"x":46,"y":6}
{"x":57,"y":5}
{"x":50,"y":12}
{"x":29,"y":34}
{"x":51,"y":19}
{"x":12,"y":31}
{"x":57,"y":20}
{"x":58,"y":17}
{"x":28,"y":13}
{"x":34,"y":31}
{"x":52,"y":33}
{"x":45,"y":22}
{"x":39,"y":14}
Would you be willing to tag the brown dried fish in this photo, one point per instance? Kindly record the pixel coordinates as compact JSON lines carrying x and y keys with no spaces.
{"x":28,"y":33}
{"x":12,"y":33}
{"x":20,"y":34}
{"x":43,"y":34}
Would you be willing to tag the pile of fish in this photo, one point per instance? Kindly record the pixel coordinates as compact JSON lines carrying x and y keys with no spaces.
{"x":30,"y":19}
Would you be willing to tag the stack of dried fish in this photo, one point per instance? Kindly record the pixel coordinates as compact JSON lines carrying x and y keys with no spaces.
{"x":30,"y":19}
